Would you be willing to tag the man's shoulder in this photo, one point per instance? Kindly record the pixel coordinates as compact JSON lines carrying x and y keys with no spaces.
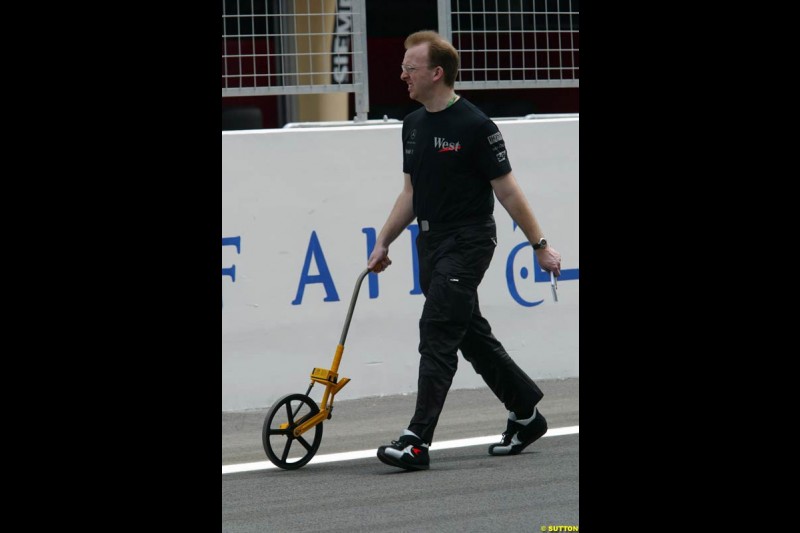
{"x":474,"y":120}
{"x":472,"y":117}
{"x":415,"y":116}
{"x":474,"y":111}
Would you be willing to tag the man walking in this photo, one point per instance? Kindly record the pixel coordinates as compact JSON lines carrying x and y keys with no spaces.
{"x":454,"y":163}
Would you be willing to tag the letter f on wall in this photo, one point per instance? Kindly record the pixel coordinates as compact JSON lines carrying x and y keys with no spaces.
{"x":232,"y":241}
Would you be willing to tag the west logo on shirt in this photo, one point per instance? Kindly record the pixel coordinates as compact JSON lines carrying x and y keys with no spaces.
{"x":446,"y":146}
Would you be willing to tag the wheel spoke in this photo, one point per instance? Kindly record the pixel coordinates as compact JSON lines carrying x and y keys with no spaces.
{"x":297,"y":410}
{"x":286,"y":450}
{"x":305,"y":444}
{"x":284,"y":432}
{"x":289,"y":414}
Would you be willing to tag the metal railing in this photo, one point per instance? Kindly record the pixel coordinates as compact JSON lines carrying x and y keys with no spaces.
{"x":282,"y":47}
{"x":289,"y":47}
{"x":512,"y":44}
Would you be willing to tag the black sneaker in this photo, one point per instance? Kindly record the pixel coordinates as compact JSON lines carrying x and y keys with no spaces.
{"x":407,"y":452}
{"x":517,"y":436}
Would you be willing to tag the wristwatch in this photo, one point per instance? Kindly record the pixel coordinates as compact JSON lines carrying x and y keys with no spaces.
{"x":541,"y":244}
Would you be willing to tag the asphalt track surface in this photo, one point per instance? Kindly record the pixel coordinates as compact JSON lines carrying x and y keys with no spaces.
{"x":465,"y":489}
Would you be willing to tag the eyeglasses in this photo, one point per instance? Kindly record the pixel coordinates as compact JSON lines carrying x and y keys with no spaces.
{"x":408,"y":69}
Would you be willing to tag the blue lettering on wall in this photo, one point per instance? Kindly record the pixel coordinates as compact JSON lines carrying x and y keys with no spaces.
{"x":232,"y":241}
{"x":512,"y":285}
{"x":315,"y":253}
{"x":414,"y":229}
{"x":373,"y":277}
{"x":324,"y":276}
{"x":539,"y":274}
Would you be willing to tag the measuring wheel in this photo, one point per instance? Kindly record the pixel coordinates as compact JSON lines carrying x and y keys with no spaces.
{"x":293,"y":427}
{"x":283,"y":448}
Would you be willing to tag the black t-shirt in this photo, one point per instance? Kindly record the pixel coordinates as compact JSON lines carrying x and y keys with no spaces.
{"x":451,"y":156}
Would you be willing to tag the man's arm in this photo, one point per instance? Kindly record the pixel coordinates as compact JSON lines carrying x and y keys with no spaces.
{"x":510,"y":195}
{"x":400,"y":217}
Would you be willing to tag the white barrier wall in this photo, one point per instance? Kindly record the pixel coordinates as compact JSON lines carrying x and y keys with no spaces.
{"x":300,"y":208}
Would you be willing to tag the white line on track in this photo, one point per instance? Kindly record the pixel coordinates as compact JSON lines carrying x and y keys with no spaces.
{"x":363,"y":454}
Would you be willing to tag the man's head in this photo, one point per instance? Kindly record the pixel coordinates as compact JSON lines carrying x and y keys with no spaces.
{"x":429,"y":62}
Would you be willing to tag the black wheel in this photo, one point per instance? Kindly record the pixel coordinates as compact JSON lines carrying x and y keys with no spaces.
{"x":283,"y":448}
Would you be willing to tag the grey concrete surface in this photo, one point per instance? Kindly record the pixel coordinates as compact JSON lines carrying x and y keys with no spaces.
{"x":465,"y":490}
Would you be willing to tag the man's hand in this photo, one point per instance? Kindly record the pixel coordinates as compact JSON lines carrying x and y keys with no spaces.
{"x":550,"y":260}
{"x":379,"y":259}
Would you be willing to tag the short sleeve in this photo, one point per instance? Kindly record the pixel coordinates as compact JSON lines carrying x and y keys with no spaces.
{"x":492,"y":157}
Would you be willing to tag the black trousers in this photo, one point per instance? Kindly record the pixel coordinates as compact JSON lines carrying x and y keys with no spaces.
{"x":452,"y":263}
